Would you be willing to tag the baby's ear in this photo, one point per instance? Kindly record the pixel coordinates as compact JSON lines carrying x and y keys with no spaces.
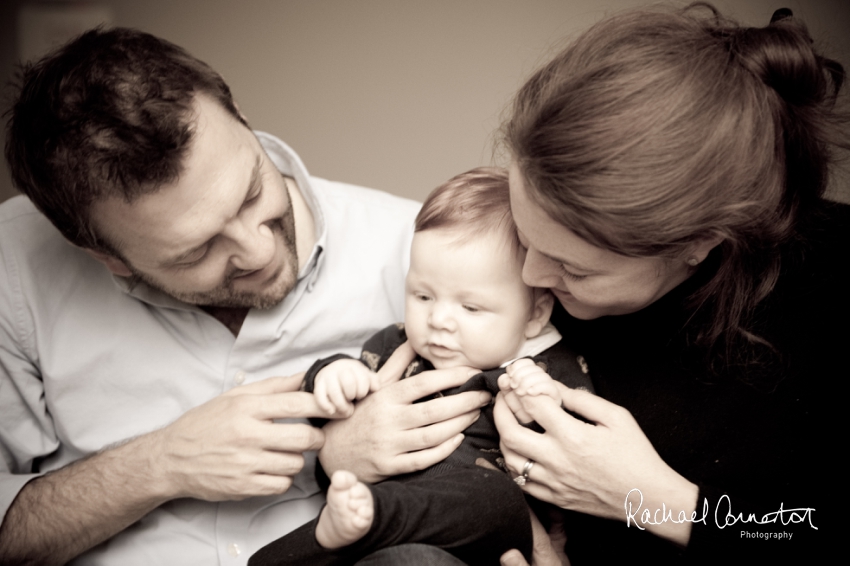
{"x":541,"y":310}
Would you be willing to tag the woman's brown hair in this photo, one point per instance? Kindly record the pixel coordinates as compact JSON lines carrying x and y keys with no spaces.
{"x":658,"y":129}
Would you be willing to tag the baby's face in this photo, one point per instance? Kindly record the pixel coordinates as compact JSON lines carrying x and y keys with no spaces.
{"x":466,"y":304}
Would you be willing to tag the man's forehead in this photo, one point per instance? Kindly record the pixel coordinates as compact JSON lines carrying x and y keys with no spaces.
{"x":221,"y":164}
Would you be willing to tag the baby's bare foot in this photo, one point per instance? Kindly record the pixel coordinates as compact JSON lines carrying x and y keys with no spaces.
{"x":348,"y":514}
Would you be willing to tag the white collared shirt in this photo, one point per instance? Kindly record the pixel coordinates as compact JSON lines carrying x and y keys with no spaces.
{"x":85,"y":362}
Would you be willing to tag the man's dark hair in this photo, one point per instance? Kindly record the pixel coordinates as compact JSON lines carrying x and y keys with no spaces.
{"x":107,"y":115}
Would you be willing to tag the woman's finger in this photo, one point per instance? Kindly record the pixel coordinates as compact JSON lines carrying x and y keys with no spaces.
{"x":511,"y":432}
{"x":584,"y":403}
{"x":552,"y":417}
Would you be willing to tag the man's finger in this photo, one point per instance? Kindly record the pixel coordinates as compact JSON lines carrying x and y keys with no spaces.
{"x":445,"y":408}
{"x":270,"y":385}
{"x":394,"y":368}
{"x":430,"y":382}
{"x":291,"y":437}
{"x":292,"y":405}
{"x":437,"y":433}
{"x":415,"y":461}
{"x":279,"y":463}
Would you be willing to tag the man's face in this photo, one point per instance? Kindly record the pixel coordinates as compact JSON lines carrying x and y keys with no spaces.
{"x":223,"y":234}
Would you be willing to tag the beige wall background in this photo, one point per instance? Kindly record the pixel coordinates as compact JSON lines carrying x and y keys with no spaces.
{"x":396,"y":95}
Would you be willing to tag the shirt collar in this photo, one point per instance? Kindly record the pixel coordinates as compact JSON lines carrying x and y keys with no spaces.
{"x":547,"y":338}
{"x":289,"y":164}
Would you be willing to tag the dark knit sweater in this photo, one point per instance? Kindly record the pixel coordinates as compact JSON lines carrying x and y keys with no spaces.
{"x":753,"y":432}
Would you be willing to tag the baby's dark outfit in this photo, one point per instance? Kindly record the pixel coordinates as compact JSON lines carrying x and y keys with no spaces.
{"x":475,"y":513}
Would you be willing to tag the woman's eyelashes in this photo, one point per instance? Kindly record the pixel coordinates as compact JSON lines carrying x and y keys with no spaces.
{"x":570,"y":275}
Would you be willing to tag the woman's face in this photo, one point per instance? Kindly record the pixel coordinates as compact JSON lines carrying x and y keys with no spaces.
{"x":589,"y":281}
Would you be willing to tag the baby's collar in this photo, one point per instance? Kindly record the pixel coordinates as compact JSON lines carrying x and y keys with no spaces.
{"x":547,"y":338}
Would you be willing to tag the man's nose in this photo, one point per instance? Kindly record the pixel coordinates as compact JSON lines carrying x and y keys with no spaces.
{"x":254,"y":247}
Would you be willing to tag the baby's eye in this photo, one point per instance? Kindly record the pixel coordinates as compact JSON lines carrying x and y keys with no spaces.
{"x":470,"y":308}
{"x":423,"y":298}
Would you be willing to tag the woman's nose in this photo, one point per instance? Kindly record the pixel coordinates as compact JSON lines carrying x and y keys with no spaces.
{"x":540,"y":271}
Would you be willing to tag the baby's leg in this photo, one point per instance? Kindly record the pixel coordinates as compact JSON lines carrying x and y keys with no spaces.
{"x":348,"y":514}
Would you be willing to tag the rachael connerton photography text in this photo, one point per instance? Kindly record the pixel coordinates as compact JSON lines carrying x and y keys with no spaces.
{"x":724,"y":516}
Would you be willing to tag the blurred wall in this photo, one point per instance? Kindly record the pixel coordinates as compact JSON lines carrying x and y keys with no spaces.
{"x":396,"y":95}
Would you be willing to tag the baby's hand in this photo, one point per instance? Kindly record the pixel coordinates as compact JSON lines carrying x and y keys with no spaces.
{"x":341,"y":383}
{"x":524,"y":377}
{"x":527,"y":378}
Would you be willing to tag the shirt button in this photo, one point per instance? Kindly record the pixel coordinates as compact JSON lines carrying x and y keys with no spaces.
{"x":239,"y":378}
{"x":233,"y":549}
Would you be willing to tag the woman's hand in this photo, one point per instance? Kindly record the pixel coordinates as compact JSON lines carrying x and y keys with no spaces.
{"x":591,"y":468}
{"x":389,"y":435}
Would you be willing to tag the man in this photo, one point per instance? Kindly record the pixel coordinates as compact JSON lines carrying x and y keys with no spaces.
{"x":138,"y":354}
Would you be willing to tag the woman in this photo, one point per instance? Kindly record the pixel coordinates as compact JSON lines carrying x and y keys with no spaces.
{"x":667,"y":180}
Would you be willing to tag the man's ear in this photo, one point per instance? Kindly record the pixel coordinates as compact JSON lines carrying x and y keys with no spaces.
{"x":239,"y":111}
{"x":112,"y":263}
{"x":540,"y":312}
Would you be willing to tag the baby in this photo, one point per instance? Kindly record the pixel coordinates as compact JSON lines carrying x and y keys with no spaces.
{"x":466,"y":305}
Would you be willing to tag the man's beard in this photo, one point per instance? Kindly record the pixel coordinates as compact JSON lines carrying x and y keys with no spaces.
{"x":224,"y":295}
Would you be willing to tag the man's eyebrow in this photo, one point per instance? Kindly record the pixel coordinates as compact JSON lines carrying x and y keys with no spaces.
{"x":252,"y":182}
{"x":255,"y":175}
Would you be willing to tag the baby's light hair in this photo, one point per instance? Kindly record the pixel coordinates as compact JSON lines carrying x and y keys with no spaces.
{"x":473,"y":203}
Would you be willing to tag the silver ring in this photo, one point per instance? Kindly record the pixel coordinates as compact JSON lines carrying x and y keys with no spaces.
{"x":526,"y":469}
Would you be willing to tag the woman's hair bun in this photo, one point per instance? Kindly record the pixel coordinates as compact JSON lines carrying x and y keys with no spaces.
{"x":783,"y":57}
{"x":781,"y":14}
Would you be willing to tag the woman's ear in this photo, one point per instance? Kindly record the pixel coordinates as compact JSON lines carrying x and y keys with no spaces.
{"x":699,"y":250}
{"x":541,"y":310}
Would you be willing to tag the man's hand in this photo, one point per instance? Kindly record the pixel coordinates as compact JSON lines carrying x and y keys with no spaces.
{"x":231,"y":448}
{"x":228,"y":448}
{"x":389,"y":435}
